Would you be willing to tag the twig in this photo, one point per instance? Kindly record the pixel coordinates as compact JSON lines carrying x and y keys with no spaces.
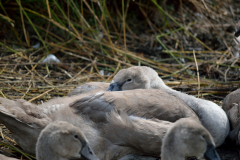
{"x":40,"y":95}
{"x":225,"y":74}
{"x":197,"y":72}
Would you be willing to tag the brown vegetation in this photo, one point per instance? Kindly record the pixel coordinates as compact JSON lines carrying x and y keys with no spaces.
{"x":94,"y":39}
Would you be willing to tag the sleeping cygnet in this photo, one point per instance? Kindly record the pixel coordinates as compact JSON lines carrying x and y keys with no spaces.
{"x":231,"y":105}
{"x":63,"y":141}
{"x":212,"y":117}
{"x":188,"y":138}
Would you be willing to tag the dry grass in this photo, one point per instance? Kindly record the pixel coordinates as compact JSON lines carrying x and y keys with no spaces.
{"x":95,"y":37}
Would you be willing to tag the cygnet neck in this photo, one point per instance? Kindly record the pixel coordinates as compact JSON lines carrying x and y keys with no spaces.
{"x":191,"y":101}
{"x":50,"y":154}
{"x":170,"y":155}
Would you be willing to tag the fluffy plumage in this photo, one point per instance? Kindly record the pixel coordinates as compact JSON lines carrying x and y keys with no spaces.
{"x":187,"y":138}
{"x":209,"y":113}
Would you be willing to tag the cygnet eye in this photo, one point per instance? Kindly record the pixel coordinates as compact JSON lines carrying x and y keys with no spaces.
{"x":202,"y":137}
{"x":129,"y":80}
{"x":76,"y":136}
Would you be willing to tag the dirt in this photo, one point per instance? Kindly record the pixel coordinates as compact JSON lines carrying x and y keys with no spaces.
{"x":228,"y":152}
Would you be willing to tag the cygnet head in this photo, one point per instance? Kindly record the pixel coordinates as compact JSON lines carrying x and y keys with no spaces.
{"x":63,"y":141}
{"x":137,"y":77}
{"x":188,"y":138}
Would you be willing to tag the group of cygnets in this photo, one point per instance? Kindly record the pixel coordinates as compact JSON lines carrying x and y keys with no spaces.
{"x":134,"y":116}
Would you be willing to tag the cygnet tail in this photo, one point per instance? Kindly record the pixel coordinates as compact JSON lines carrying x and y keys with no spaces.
{"x":19,"y":118}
